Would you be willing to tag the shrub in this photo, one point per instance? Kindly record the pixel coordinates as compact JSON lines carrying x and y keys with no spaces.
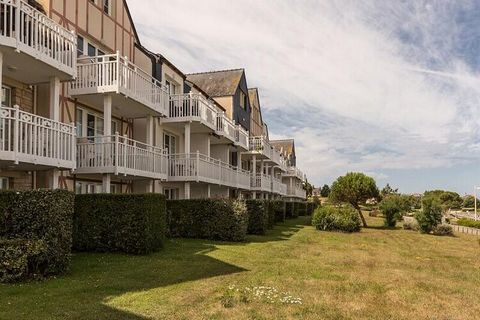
{"x":215,"y":219}
{"x":468,"y":223}
{"x":22,"y":259}
{"x":311,"y":206}
{"x":39,"y":215}
{"x":130,"y":223}
{"x":430,"y":216}
{"x":280,"y":210}
{"x":411,"y":225}
{"x":391,"y":211}
{"x":271,"y":213}
{"x":258,"y":219}
{"x":289,"y":210}
{"x":344,"y":219}
{"x":443,"y":230}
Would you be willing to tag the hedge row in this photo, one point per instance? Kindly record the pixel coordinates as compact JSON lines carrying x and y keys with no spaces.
{"x":214,"y":219}
{"x":35,"y":233}
{"x":130,"y":223}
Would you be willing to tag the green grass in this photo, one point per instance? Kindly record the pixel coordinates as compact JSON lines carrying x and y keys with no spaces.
{"x":375,"y":274}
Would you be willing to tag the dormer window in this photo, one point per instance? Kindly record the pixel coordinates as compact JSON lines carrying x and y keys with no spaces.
{"x":243,"y":100}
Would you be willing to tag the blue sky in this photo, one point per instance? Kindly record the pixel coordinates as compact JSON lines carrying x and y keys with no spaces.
{"x":386,"y":87}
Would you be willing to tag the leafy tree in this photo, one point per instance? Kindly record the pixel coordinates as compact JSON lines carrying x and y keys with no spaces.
{"x":446,"y":199}
{"x":354,"y":188}
{"x":308,"y":187}
{"x":391,"y":209}
{"x":430,"y":216}
{"x":325,"y":192}
{"x":469,"y":202}
{"x":387,"y":190}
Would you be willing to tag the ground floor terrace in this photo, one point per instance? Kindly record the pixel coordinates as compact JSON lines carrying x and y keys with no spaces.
{"x":376,"y":274}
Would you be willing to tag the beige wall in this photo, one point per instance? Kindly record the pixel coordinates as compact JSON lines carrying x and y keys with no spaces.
{"x":227,"y":103}
{"x":169,"y":73}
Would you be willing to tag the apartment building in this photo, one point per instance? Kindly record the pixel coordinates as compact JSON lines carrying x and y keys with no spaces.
{"x":86,"y":107}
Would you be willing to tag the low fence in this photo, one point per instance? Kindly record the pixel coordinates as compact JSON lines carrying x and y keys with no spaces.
{"x":466,"y":230}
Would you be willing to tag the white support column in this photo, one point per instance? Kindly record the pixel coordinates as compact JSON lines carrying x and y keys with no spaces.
{"x":208,"y":191}
{"x":239,"y":159}
{"x":54,"y":113}
{"x":187,"y":137}
{"x":261,"y":167}
{"x":187,"y":190}
{"x":254,"y":165}
{"x":107,"y":131}
{"x":149,"y":140}
{"x":1,"y":75}
{"x":209,"y":146}
{"x":254,"y":195}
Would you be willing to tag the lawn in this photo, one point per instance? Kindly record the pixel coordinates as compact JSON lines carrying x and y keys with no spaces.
{"x":376,"y":274}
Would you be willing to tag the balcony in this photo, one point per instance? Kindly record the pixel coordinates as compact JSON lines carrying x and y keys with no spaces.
{"x":35,"y":48}
{"x":192,"y":107}
{"x":294,"y":172}
{"x":278,"y":187}
{"x":226,"y":128}
{"x":201,"y":168}
{"x":114,"y":74}
{"x":28,"y":141}
{"x":296,"y":192}
{"x":241,"y":138}
{"x":261,"y":182}
{"x":120,"y":155}
{"x":260,"y":146}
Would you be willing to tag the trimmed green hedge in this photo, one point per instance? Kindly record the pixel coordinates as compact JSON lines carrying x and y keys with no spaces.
{"x":468,"y":223}
{"x":129,"y":223}
{"x":258,"y":216}
{"x":271,"y":214}
{"x":311,"y":207}
{"x":279,"y":210}
{"x":215,"y":219}
{"x":289,"y":210}
{"x":39,"y":223}
{"x":22,"y":259}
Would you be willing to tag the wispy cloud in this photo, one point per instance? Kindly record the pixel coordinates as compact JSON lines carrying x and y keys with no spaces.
{"x":361,"y":85}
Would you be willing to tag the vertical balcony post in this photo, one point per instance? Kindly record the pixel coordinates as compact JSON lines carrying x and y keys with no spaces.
{"x":116,"y":149}
{"x":198,"y":165}
{"x":18,"y":32}
{"x":73,"y":145}
{"x":16,"y":138}
{"x":119,"y":78}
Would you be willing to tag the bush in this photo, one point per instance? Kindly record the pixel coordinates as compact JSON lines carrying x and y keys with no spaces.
{"x":130,"y":223}
{"x":280,"y":210}
{"x":311,"y":206}
{"x":215,"y":219}
{"x":391,"y":211}
{"x":22,"y":259}
{"x":411,"y":225}
{"x":468,"y":223}
{"x":430,"y":216}
{"x":443,"y":230}
{"x":38,"y":215}
{"x":289,"y":210}
{"x":344,"y":219}
{"x":258,"y":218}
{"x":271,"y":213}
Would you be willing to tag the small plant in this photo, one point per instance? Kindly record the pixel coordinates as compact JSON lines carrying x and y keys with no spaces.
{"x":430,"y":216}
{"x":391,"y":211}
{"x":343,"y":219}
{"x":443,"y":230}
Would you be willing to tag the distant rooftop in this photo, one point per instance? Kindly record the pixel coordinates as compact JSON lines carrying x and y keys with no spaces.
{"x":217,"y":83}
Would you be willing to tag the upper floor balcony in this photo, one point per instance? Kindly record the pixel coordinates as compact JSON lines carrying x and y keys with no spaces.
{"x":278,"y":187}
{"x":201,"y":168}
{"x":294,"y":172}
{"x":241,"y":138}
{"x":261,"y":182}
{"x":226,"y":128}
{"x":35,"y":48}
{"x":192,"y":107}
{"x":28,"y":141}
{"x":120,"y":155}
{"x":296,"y":191}
{"x":135,"y":93}
{"x":260,"y":146}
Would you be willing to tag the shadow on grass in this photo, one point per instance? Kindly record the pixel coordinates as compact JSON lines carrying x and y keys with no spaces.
{"x":96,"y":278}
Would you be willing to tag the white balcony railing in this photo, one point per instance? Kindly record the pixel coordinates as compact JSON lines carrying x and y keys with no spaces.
{"x":278,"y":187}
{"x":29,"y":30}
{"x":261,"y":145}
{"x":120,"y":155}
{"x":241,"y":137}
{"x":296,"y":192}
{"x":295,"y":172}
{"x":198,"y":167}
{"x":192,"y":107}
{"x":28,"y":138}
{"x":261,"y":182}
{"x":114,"y":73}
{"x":226,"y":127}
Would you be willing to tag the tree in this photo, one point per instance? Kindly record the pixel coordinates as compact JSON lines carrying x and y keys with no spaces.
{"x":446,"y":199}
{"x":430,"y":216}
{"x":387,"y":190}
{"x":325,"y":192}
{"x":469,"y":202}
{"x":391,"y":211}
{"x":308,"y":188}
{"x":354,"y":188}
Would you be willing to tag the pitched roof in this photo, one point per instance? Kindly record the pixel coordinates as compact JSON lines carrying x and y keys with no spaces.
{"x":217,"y":83}
{"x":286,"y":147}
{"x":252,"y":96}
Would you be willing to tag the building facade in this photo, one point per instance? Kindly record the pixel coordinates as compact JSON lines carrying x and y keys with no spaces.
{"x":86,"y":107}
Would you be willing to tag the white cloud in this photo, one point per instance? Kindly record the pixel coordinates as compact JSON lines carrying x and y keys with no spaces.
{"x":357,"y":74}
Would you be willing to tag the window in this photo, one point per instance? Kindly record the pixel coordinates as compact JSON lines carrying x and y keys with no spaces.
{"x":6,"y":96}
{"x":4,"y":183}
{"x":90,"y":124}
{"x":106,"y":7}
{"x":92,"y":51}
{"x":171,"y":194}
{"x":79,"y":122}
{"x":80,"y":48}
{"x":243,"y":100}
{"x":169,"y":143}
